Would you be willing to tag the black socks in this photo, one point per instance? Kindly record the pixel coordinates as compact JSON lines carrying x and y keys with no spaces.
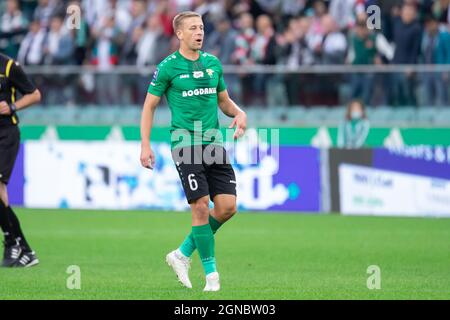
{"x":11,"y":228}
{"x":6,"y":226}
{"x":17,"y":230}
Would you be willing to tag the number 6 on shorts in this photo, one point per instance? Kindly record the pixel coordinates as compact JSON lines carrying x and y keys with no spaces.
{"x":193,"y":184}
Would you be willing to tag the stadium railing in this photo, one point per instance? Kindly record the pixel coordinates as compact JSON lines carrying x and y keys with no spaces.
{"x":305,"y":95}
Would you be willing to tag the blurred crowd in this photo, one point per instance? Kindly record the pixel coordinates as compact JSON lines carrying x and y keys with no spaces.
{"x":240,"y":32}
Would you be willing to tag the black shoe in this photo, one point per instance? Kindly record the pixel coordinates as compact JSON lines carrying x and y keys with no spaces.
{"x":11,"y":254}
{"x":26,"y":260}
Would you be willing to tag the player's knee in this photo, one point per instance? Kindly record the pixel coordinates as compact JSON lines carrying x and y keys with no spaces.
{"x":228,"y":211}
{"x":201,"y":208}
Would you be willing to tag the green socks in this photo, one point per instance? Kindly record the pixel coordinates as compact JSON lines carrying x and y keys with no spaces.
{"x":188,"y":246}
{"x":204,"y":241}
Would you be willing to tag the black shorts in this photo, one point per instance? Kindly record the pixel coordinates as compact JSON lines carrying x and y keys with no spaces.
{"x":9,"y":148}
{"x":204,"y":170}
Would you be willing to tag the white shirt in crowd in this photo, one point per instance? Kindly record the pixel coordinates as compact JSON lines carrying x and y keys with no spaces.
{"x":31,"y":48}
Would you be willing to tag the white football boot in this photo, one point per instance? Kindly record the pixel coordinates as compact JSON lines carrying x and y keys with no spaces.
{"x":180,"y":265}
{"x":212,"y":282}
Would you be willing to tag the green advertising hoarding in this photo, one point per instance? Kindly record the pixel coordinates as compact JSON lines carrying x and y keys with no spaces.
{"x":319,"y":137}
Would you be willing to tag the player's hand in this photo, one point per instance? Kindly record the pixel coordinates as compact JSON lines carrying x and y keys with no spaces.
{"x":240,"y":122}
{"x":147,"y":157}
{"x":4,"y":109}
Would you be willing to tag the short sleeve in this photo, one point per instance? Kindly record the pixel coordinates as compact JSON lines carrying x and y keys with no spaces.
{"x":159,"y":83}
{"x":20,"y":80}
{"x":222,"y":86}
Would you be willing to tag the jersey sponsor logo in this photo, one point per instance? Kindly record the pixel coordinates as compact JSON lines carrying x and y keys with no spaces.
{"x":198,"y":74}
{"x":210,"y":72}
{"x":184,"y":76}
{"x":199,"y":92}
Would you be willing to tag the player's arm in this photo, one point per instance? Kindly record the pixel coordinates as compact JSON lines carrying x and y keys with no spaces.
{"x":157,"y":88}
{"x":231,"y":109}
{"x":148,"y":112}
{"x":30,"y":94}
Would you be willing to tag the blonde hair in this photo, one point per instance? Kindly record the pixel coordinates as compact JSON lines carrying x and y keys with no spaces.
{"x":178,"y":20}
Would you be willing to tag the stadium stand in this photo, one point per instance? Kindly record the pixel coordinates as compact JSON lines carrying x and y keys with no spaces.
{"x":287,"y":47}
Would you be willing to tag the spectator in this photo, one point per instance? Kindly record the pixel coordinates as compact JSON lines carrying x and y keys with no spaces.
{"x":27,"y":7}
{"x":291,"y":8}
{"x":244,"y":40}
{"x":210,"y":11}
{"x":152,"y":45}
{"x":444,"y":58}
{"x":280,"y":38}
{"x":389,"y":8}
{"x":333,"y":48}
{"x":94,"y":10}
{"x":130,"y":89}
{"x":44,"y":11}
{"x":138,"y":14}
{"x":367,"y":47}
{"x":121,"y":15}
{"x":221,"y":42}
{"x":13,"y":27}
{"x":166,"y":16}
{"x":105,"y":57}
{"x":293,"y":51}
{"x":81,"y":38}
{"x":181,"y":5}
{"x":242,"y":55}
{"x":234,"y":9}
{"x":441,"y":10}
{"x":31,"y":48}
{"x":435,"y":50}
{"x":330,"y":50}
{"x":263,"y":46}
{"x":353,"y":131}
{"x":343,"y":12}
{"x":316,"y":32}
{"x":407,"y":35}
{"x":363,"y":51}
{"x":58,"y":48}
{"x":270,"y":7}
{"x":263,"y":52}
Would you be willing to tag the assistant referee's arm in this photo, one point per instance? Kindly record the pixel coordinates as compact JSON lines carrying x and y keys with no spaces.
{"x":30,"y":94}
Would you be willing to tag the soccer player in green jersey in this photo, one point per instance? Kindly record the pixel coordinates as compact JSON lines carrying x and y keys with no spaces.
{"x":192,"y":81}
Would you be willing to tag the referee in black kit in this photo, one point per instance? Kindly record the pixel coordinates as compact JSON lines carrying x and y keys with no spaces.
{"x":12,"y":80}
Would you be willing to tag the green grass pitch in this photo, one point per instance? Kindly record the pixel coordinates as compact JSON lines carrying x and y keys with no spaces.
{"x":259,"y":255}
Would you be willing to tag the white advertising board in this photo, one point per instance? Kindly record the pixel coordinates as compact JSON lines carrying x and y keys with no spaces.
{"x":370,"y":191}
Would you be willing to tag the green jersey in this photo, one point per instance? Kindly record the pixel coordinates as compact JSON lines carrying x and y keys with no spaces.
{"x":191,"y":88}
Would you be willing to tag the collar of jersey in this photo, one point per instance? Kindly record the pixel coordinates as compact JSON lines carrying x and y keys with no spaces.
{"x":183,"y":57}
